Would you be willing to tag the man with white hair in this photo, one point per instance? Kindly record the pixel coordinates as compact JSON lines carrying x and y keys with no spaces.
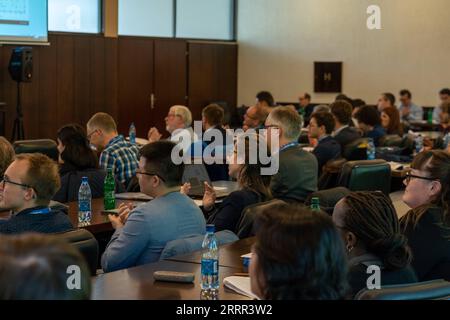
{"x":178,"y":124}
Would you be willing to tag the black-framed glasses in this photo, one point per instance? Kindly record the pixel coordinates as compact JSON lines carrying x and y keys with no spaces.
{"x":410,"y":176}
{"x":150,"y":174}
{"x":271,"y":126}
{"x":90,"y":134}
{"x":4,"y":180}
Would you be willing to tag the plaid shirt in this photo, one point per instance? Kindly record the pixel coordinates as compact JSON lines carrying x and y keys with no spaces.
{"x":122,"y":157}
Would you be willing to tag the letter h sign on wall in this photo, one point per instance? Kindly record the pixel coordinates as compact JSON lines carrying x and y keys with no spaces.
{"x":328,"y":77}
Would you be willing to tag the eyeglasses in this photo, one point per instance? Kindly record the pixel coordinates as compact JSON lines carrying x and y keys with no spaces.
{"x":6,"y":180}
{"x":172,"y":115}
{"x":150,"y":174}
{"x":410,"y":176}
{"x":271,"y":126}
{"x":90,"y":134}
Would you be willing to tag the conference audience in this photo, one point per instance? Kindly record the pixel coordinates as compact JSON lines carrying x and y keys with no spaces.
{"x":444,"y":95}
{"x":328,"y":148}
{"x":254,"y":187}
{"x":370,"y":230}
{"x":178,"y":124}
{"x":369,"y":123}
{"x":386,"y":100}
{"x":298,"y":255}
{"x":297,"y":173}
{"x":390,"y":121}
{"x":306,"y":108}
{"x":142,"y":233}
{"x":78,"y":160}
{"x":343,"y":132}
{"x":408,"y":110}
{"x":28,"y":185}
{"x":39,"y":267}
{"x":6,"y":155}
{"x":116,"y":153}
{"x":427,"y":224}
{"x":254,"y":118}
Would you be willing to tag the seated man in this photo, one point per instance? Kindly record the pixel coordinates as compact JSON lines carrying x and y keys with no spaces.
{"x":386,"y":100}
{"x":27,"y":187}
{"x":116,"y":153}
{"x":343,"y":132}
{"x":297,"y":173}
{"x":444,"y":95}
{"x":369,"y":122}
{"x":178,"y":124}
{"x":320,"y":127}
{"x":408,"y":110}
{"x":142,"y":234}
{"x":42,"y":267}
{"x":254,"y":118}
{"x":306,"y":108}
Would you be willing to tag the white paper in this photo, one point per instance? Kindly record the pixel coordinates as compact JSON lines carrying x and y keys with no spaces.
{"x":240,"y":285}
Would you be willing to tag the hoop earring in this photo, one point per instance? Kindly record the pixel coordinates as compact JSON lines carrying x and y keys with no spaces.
{"x":349,"y":248}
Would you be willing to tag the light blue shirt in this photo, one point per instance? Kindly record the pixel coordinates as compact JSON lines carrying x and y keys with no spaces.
{"x":149,"y":227}
{"x":415,"y":114}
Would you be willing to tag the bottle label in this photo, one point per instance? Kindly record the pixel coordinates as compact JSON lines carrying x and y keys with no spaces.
{"x":210,"y":273}
{"x":84,"y":206}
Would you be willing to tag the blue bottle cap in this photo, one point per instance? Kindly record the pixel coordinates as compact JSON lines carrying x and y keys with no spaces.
{"x":210,"y":228}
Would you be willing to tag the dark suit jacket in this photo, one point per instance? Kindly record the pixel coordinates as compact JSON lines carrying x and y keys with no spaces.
{"x":218,"y":171}
{"x":55,"y":221}
{"x":327,"y":149}
{"x":346,"y":136}
{"x":297,"y":175}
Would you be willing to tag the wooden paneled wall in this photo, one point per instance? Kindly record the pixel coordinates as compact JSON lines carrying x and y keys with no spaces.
{"x":78,"y":75}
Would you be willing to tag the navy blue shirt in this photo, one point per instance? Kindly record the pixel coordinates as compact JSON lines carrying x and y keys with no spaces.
{"x":377,"y":132}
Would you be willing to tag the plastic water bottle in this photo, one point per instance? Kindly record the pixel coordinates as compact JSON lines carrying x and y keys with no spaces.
{"x":132,"y":133}
{"x":419,"y":143}
{"x":210,"y":260}
{"x":109,"y":187}
{"x":371,"y":151}
{"x":84,"y":202}
{"x":315,"y":204}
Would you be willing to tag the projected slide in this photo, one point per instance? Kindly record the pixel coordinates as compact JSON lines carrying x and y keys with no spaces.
{"x":23,"y":20}
{"x":14,"y":12}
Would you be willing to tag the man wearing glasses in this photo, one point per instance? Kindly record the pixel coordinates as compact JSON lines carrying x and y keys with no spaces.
{"x":117,"y":153}
{"x":141,"y":234}
{"x":254,"y":118}
{"x":26,"y":188}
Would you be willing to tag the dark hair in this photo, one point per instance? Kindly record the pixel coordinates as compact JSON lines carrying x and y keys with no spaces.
{"x":266,"y":96}
{"x":437,"y":164}
{"x":389,"y":96}
{"x":300,"y":254}
{"x":159,"y":161}
{"x":406,"y":92}
{"x":324,"y":119}
{"x":77,"y":150}
{"x":35,"y":266}
{"x":250,"y":176}
{"x":307,"y":96}
{"x":371,"y":216}
{"x":214,"y":114}
{"x":341,"y":96}
{"x":395,"y":126}
{"x":342,"y":110}
{"x":368,"y":115}
{"x":358,"y":103}
{"x":445,"y":91}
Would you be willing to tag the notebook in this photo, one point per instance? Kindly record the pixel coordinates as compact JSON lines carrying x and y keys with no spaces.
{"x":136,"y":196}
{"x":240,"y":285}
{"x":196,"y":175}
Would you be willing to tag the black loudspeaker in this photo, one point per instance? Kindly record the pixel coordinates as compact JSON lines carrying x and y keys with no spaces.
{"x":21,"y":64}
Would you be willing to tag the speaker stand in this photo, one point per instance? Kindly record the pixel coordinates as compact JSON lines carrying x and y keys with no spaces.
{"x":18,"y":132}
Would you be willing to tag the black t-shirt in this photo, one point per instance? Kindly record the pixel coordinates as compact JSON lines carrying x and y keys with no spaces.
{"x":430,"y":244}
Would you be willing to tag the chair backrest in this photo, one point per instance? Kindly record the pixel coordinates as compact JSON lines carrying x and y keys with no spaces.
{"x":245,"y":225}
{"x":194,"y":243}
{"x":391,"y":140}
{"x":44,"y":146}
{"x":86,"y":243}
{"x":356,"y":150}
{"x":429,"y":290}
{"x":366,"y":175}
{"x":328,"y":198}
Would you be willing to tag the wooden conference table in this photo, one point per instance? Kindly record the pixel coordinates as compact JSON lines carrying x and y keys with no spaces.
{"x":138,"y":282}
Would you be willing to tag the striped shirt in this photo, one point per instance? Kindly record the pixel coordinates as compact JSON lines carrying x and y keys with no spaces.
{"x":122,"y":157}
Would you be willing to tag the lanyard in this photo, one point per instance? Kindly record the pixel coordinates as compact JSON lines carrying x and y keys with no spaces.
{"x":291,"y":144}
{"x":41,"y":211}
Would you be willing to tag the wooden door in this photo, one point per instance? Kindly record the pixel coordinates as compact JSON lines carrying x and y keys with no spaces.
{"x":135,"y":84}
{"x":170,"y":79}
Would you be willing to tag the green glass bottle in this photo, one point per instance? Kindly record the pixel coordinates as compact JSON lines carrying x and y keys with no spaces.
{"x":430,"y":116}
{"x":315,"y":204}
{"x":109,"y":188}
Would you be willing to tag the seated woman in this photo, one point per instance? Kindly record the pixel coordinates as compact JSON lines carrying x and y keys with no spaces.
{"x":390,"y":121}
{"x":254,"y":187}
{"x":371,"y":233}
{"x":298,"y":255}
{"x":76,"y":160}
{"x":427,"y":225}
{"x":369,"y":123}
